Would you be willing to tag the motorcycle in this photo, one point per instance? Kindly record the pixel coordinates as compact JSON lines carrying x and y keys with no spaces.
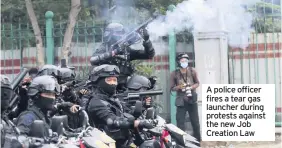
{"x":63,"y":136}
{"x":168,"y":134}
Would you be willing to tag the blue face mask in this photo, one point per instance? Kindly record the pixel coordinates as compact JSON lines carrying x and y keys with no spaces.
{"x":184,"y":64}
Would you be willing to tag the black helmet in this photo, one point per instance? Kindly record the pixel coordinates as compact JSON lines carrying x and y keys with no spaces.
{"x":50,"y":70}
{"x":180,"y":56}
{"x":67,"y":74}
{"x":113,"y":33}
{"x":6,"y":92}
{"x":46,"y":85}
{"x":43,"y":84}
{"x":138,"y":82}
{"x":103,"y":71}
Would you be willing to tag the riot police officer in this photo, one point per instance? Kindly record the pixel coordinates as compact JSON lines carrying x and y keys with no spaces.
{"x":23,"y":103}
{"x":68,"y":76}
{"x":7,"y":129}
{"x":69,"y":95}
{"x":105,"y":111}
{"x":121,"y":56}
{"x":140,"y":83}
{"x":42,"y":92}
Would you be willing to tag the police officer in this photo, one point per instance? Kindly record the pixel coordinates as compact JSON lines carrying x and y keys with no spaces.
{"x":69,"y":95}
{"x":105,"y":111}
{"x":68,"y":76}
{"x":141,"y":83}
{"x":23,"y":103}
{"x":42,"y":92}
{"x":185,"y":81}
{"x":113,"y":33}
{"x":8,"y":131}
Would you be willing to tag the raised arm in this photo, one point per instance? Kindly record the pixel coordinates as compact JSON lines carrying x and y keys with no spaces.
{"x":147,"y":53}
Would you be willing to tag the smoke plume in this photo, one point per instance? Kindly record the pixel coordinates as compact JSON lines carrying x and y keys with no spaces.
{"x":209,"y":15}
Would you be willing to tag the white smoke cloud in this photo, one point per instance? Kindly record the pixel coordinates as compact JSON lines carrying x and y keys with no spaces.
{"x":210,"y":15}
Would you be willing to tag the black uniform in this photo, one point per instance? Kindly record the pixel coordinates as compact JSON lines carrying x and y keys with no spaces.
{"x":27,"y":118}
{"x":103,"y":55}
{"x":40,"y":106}
{"x":8,"y":131}
{"x":100,"y":109}
{"x":106,"y":112}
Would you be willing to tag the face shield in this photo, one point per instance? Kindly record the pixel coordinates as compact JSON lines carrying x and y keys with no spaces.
{"x":104,"y":71}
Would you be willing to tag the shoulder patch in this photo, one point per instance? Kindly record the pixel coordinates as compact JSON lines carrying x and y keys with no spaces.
{"x":28,"y":119}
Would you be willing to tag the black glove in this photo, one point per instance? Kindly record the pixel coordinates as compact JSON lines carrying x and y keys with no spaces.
{"x":83,"y":91}
{"x":64,"y":105}
{"x":146,"y":124}
{"x":145,"y":34}
{"x":148,"y":45}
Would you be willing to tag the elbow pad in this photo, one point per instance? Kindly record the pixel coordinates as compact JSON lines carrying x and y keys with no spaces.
{"x":95,"y":60}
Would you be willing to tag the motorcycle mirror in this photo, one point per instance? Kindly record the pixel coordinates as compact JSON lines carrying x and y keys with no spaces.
{"x":138,"y":109}
{"x":58,"y":123}
{"x":150,"y":114}
{"x":63,"y":63}
{"x":37,"y":129}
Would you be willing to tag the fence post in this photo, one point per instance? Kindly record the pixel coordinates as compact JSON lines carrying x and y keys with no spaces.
{"x":172,"y":55}
{"x":49,"y":38}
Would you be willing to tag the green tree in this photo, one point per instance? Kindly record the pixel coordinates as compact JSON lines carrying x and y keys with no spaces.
{"x":267,"y":17}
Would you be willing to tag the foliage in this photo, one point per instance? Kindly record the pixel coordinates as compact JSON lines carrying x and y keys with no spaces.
{"x":267,"y":17}
{"x":16,"y":24}
{"x":147,"y":70}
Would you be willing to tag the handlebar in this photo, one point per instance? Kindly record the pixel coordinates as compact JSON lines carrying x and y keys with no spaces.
{"x":70,"y":134}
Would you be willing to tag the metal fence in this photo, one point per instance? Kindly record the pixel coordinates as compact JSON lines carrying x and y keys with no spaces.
{"x":18,"y":50}
{"x":259,"y":63}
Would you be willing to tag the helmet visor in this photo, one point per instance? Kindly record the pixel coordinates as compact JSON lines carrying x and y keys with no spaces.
{"x":111,"y":70}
